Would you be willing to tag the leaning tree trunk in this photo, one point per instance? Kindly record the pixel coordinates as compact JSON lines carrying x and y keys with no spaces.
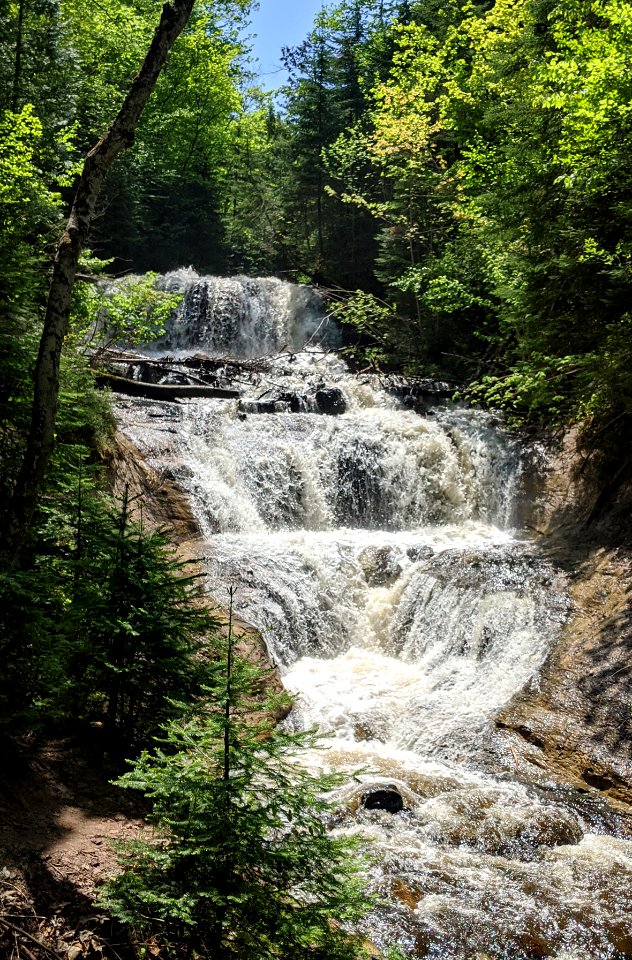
{"x":17,"y":68}
{"x":46,"y":387}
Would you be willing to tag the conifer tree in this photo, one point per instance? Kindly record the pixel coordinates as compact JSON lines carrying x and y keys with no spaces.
{"x":242,"y":863}
{"x":133,"y":628}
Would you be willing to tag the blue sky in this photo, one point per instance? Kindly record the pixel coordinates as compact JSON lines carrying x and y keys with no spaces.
{"x":279,"y":23}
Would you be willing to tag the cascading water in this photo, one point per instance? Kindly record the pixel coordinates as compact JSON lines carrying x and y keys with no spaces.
{"x":242,"y":316}
{"x":373,"y":548}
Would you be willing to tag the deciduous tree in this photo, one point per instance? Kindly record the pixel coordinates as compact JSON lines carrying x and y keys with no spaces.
{"x":118,"y":137}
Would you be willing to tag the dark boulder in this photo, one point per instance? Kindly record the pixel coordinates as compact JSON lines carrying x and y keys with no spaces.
{"x":385,"y":798}
{"x":331,"y":400}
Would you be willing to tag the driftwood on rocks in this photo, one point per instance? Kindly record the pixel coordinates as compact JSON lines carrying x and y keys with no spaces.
{"x":161,"y":391}
{"x":197,"y":361}
{"x":198,"y":375}
{"x":221,"y":373}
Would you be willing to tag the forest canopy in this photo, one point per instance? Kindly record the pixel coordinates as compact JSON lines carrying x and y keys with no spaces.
{"x":469,"y":159}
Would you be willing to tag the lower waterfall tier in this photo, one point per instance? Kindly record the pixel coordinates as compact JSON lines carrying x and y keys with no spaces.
{"x":373,"y":548}
{"x":383,"y":636}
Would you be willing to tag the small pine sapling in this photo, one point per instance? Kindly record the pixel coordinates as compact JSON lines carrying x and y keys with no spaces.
{"x":137,"y":628}
{"x":241,"y":863}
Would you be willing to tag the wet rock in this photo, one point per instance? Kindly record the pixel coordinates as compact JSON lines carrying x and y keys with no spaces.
{"x":386,"y":798}
{"x":331,"y":400}
{"x":363,"y":731}
{"x":177,"y":471}
{"x":379,"y":794}
{"x":173,"y":378}
{"x":257,"y":406}
{"x":622,"y":938}
{"x":497,"y":823}
{"x":424,"y":552}
{"x":575,"y":723}
{"x":413,"y":390}
{"x":297,"y":403}
{"x":406,"y":894}
{"x":146,"y":372}
{"x":527,"y":734}
{"x":381,"y":566}
{"x":600,"y":781}
{"x":274,"y":405}
{"x":164,"y":504}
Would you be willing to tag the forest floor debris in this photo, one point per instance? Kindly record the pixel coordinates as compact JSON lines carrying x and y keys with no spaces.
{"x":59,"y":816}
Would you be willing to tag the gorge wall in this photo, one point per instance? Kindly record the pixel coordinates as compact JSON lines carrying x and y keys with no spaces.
{"x":576,"y":718}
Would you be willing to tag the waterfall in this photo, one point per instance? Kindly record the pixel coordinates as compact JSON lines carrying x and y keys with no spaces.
{"x":372,"y":468}
{"x":374,"y":547}
{"x":243,"y":316}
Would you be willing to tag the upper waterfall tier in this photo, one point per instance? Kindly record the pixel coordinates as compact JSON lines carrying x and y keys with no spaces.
{"x":244,"y":317}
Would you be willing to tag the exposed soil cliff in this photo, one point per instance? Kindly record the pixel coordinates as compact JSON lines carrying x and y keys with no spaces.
{"x":575,"y":720}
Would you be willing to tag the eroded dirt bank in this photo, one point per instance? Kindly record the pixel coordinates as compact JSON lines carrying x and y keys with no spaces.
{"x":574,"y":721}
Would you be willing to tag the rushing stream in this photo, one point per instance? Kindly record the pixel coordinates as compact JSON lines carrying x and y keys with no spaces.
{"x":374,"y":547}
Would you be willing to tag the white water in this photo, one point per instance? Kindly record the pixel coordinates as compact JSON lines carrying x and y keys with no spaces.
{"x":375,"y":551}
{"x":244,"y":317}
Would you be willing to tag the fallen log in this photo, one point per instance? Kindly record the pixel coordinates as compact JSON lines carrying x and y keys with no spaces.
{"x":198,"y":361}
{"x":160,"y":391}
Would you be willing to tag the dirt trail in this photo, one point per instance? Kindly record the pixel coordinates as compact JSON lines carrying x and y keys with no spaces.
{"x":58,"y":818}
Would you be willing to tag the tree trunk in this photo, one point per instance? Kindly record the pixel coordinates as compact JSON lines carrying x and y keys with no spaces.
{"x":46,"y":386}
{"x":161,"y":391}
{"x":17,"y":69}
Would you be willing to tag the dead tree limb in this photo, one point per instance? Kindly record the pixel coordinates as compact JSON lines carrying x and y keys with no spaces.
{"x":161,"y":391}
